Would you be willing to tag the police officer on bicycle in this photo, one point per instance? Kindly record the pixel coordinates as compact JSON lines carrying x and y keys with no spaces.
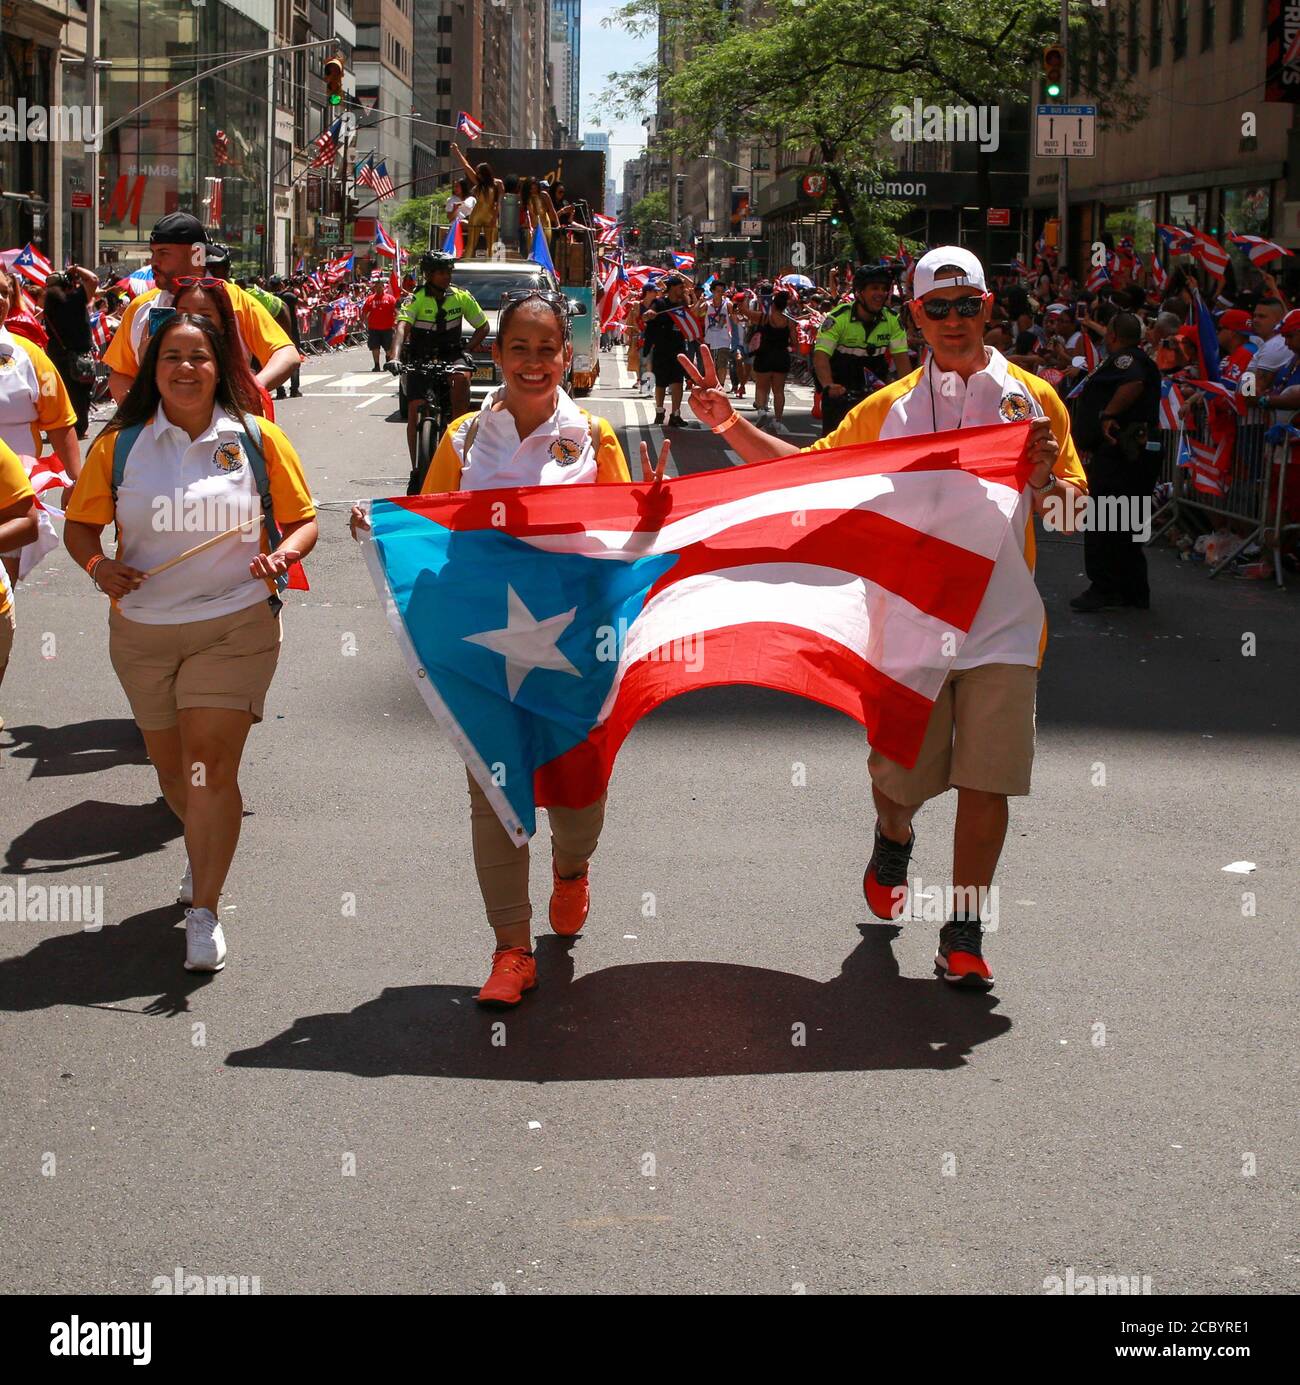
{"x":429,"y":329}
{"x":856,"y":344}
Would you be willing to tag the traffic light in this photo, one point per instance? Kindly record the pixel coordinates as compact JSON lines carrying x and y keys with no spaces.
{"x":836,"y":215}
{"x":633,"y":236}
{"x":334,"y":79}
{"x":1053,"y":70}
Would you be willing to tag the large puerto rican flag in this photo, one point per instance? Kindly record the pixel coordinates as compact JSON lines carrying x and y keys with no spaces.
{"x":541,"y":623}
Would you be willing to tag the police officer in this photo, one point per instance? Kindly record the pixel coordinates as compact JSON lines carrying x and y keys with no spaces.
{"x":1115,"y":415}
{"x":429,"y":329}
{"x":856,"y":345}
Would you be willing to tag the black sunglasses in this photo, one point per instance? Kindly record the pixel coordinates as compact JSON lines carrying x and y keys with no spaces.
{"x":936,"y":309}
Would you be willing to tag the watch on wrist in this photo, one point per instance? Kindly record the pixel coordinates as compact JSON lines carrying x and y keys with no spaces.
{"x":1046,"y":486}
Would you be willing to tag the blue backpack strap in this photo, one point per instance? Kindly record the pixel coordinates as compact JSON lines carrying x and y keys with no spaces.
{"x":257,"y":460}
{"x":123,"y":442}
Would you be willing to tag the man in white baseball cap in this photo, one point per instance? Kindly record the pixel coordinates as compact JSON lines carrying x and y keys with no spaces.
{"x":980,"y":738}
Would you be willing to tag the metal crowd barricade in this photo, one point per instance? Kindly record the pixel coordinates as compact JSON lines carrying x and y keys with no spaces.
{"x":1251,"y":497}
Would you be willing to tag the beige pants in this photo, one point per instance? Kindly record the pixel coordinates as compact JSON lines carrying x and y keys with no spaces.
{"x":502,"y":867}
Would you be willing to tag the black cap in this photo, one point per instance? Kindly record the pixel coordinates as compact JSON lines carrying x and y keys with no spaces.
{"x":218,"y":255}
{"x":871,"y":274}
{"x":178,"y":228}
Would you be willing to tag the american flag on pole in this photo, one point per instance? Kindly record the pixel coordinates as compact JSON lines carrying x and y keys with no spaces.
{"x":327,"y":145}
{"x":375,"y":176}
{"x":850,"y":577}
{"x":1261,"y":251}
{"x":32,"y":265}
{"x":468,"y":126}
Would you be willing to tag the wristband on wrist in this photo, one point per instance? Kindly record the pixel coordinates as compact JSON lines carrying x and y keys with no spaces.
{"x":729,"y":423}
{"x":92,"y":563}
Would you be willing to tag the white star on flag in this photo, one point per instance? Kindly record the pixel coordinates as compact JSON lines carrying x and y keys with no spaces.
{"x":527,"y":643}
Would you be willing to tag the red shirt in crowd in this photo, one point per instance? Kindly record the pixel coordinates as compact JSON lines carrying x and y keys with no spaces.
{"x":1237,"y":362}
{"x":381,"y":310}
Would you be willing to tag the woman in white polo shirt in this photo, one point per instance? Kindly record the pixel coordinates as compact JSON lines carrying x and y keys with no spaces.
{"x":528,"y":433}
{"x":195,"y":646}
{"x":33,"y":402}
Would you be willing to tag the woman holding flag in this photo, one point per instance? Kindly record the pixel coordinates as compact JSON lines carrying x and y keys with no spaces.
{"x":528,"y":433}
{"x":212,"y":510}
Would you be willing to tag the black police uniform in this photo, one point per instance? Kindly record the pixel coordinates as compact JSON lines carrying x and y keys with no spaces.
{"x":1113,"y":559}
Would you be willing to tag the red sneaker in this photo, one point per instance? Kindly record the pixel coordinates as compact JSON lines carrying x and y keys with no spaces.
{"x":570,"y":903}
{"x":884,"y":882}
{"x":514,"y":971}
{"x":960,"y":958}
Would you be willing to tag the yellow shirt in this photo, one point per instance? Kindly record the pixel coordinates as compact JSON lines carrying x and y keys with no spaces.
{"x":14,"y":487}
{"x":905,"y":407}
{"x":262,"y":334}
{"x":445,"y":469}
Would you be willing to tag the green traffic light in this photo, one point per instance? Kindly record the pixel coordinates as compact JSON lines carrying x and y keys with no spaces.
{"x":335,"y":98}
{"x":1053,"y":89}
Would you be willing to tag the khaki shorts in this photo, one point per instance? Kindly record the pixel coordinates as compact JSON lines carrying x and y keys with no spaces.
{"x":980,"y":736}
{"x":228,"y":661}
{"x":6,"y":637}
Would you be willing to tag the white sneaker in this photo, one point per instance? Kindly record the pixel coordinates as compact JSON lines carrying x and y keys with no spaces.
{"x":776,"y":426}
{"x":185,"y":890}
{"x":205,"y":944}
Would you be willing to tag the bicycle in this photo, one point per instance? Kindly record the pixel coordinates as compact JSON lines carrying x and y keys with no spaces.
{"x":435,"y":409}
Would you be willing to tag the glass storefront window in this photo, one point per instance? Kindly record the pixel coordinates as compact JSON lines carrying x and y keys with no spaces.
{"x":1136,"y":220}
{"x":1246,"y":211}
{"x":171,"y":157}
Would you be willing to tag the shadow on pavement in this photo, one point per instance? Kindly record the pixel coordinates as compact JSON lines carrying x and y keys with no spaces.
{"x":83,"y":747}
{"x":141,"y":956}
{"x":650,"y":1020}
{"x":92,"y":833}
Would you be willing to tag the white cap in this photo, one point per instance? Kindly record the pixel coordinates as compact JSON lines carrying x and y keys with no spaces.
{"x":1060,"y":308}
{"x":964,"y":270}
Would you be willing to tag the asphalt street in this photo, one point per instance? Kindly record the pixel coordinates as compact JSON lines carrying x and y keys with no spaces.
{"x":333,"y":1113}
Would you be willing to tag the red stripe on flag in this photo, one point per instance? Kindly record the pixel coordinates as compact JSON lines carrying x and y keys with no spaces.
{"x":940,"y":578}
{"x":764,"y":656}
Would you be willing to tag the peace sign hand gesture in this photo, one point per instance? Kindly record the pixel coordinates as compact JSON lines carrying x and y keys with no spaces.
{"x":657,"y":475}
{"x":709,"y":402}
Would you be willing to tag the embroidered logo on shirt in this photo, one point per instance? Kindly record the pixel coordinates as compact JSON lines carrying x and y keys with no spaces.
{"x":1014,"y":408}
{"x":229,"y":457}
{"x":564,"y":452}
{"x":6,"y":362}
{"x":1123,"y":362}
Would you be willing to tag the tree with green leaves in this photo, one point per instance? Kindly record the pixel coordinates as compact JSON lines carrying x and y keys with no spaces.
{"x":828,"y":75}
{"x":650,"y":217}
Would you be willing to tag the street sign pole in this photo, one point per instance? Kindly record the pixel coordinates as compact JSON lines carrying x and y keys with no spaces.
{"x":1063,"y":181}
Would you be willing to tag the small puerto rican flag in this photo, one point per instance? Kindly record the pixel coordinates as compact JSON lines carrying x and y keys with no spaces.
{"x":1097,"y":280}
{"x":468,"y":126}
{"x":1261,"y":251}
{"x":31,"y":264}
{"x":1171,"y":405}
{"x":682,"y":261}
{"x":384,"y":243}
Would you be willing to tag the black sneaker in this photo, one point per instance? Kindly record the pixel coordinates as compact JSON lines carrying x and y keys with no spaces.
{"x":295,"y":394}
{"x":1093,"y":600}
{"x":960,"y":958}
{"x":884,"y":882}
{"x":677,"y":421}
{"x":659,"y":418}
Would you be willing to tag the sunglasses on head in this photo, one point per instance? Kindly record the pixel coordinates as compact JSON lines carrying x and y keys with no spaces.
{"x":936,"y":309}
{"x":195,"y":281}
